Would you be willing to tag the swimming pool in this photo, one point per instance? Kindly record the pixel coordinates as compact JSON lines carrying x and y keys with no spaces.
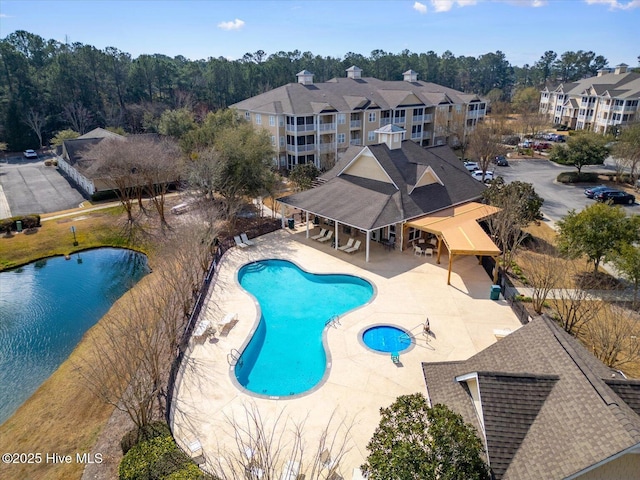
{"x":286,"y":355}
{"x":386,"y":338}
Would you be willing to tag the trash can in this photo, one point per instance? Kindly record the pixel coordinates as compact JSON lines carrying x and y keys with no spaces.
{"x":19,"y":225}
{"x":495,"y":292}
{"x":291,"y":223}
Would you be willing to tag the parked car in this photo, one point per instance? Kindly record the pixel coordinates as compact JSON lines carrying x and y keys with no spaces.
{"x":501,"y":161}
{"x":471,"y":166}
{"x":592,"y":191}
{"x":30,"y":154}
{"x":615,"y":196}
{"x":488,"y":176}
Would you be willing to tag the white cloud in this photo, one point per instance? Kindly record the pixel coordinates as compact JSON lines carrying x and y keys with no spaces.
{"x":446,"y":5}
{"x":528,"y":3}
{"x":617,"y":4}
{"x":4,"y":15}
{"x":236,"y":24}
{"x":420,"y":7}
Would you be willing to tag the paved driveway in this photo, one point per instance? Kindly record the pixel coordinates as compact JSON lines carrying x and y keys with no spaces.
{"x":558,"y":198}
{"x":30,"y":187}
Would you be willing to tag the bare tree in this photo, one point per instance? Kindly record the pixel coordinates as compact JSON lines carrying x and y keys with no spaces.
{"x":614,"y":336}
{"x":485,"y":144}
{"x":575,"y":307}
{"x":263,"y":447}
{"x":35,"y":120}
{"x":543,"y":270}
{"x":78,"y":116}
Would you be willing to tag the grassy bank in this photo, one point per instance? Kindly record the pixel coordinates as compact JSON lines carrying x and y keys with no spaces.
{"x":99,"y":228}
{"x":62,"y":417}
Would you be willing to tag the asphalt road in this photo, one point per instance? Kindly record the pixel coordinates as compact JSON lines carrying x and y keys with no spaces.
{"x":30,"y":187}
{"x":558,"y":198}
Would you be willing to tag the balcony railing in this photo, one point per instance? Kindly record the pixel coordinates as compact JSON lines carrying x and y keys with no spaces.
{"x":416,"y":136}
{"x":417,"y":118}
{"x":428,"y":117}
{"x":301,"y":128}
{"x":325,"y":127}
{"x":301,"y":148}
{"x":355,"y":141}
{"x":327,"y":147}
{"x":399,"y":120}
{"x":385,"y":121}
{"x":355,"y":123}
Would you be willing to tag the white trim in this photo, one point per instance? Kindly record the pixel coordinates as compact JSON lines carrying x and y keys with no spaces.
{"x":428,"y":170}
{"x":374,"y":157}
{"x":632,"y":449}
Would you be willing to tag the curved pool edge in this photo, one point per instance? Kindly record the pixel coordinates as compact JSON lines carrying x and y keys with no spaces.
{"x":256,"y":322}
{"x":412,"y":337}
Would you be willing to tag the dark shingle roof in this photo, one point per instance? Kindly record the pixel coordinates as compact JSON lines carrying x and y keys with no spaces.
{"x":370,"y":204}
{"x":546,"y":395}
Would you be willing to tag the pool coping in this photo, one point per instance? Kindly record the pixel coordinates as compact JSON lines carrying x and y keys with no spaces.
{"x":325,"y":344}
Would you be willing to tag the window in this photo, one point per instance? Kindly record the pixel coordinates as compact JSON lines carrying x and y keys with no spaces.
{"x":282,"y":141}
{"x":273,"y":140}
{"x":258,"y":119}
{"x":247,"y":115}
{"x":458,"y":108}
{"x":272,"y":120}
{"x":414,"y":234}
{"x":342,"y":119}
{"x":371,"y":136}
{"x":372,"y":116}
{"x":341,"y":138}
{"x":417,"y":112}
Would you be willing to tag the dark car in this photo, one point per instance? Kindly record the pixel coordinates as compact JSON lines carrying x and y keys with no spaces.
{"x":592,"y":191}
{"x":501,"y":161}
{"x":615,"y":196}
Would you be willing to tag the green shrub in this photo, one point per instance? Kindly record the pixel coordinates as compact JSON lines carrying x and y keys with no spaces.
{"x":153,"y":430}
{"x":574,"y":177}
{"x":28,"y":221}
{"x":189,"y":471}
{"x":156,"y":458}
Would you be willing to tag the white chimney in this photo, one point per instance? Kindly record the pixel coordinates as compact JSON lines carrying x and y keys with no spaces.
{"x":354,"y":72}
{"x":305,"y":77}
{"x":410,"y":76}
{"x":603,"y":71}
{"x":622,"y":68}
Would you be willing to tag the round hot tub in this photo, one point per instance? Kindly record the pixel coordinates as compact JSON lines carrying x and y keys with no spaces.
{"x":386,"y":338}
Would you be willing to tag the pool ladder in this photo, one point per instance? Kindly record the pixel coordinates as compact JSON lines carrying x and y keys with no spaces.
{"x":233,"y":357}
{"x":333,"y":321}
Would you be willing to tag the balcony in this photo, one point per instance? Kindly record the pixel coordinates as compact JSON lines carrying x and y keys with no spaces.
{"x":385,"y":121}
{"x":416,"y":136}
{"x":355,"y":124}
{"x":399,"y":120}
{"x":355,"y":141}
{"x":428,"y":118}
{"x":327,"y":147}
{"x":417,"y":118}
{"x":326,"y":127}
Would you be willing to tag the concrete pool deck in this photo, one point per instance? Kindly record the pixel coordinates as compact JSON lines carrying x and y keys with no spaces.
{"x":409,"y":289}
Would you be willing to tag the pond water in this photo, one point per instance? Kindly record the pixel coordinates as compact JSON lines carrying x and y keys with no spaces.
{"x":47,"y":306}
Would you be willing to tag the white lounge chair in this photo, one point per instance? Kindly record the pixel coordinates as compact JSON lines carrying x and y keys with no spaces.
{"x":349,"y":244}
{"x":239,"y":242}
{"x":290,"y":471}
{"x":417,"y":250}
{"x":322,"y":233}
{"x":245,"y":239}
{"x":327,"y":237}
{"x":355,"y":247}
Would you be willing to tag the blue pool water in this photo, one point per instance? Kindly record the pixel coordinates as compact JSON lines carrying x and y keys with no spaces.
{"x":386,"y":338}
{"x":286,"y":355}
{"x":46,"y":307}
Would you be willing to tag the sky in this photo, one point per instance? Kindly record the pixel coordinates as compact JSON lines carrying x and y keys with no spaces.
{"x":199,"y":29}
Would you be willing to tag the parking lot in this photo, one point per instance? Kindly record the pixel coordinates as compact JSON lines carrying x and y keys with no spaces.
{"x":29,"y":187}
{"x":558,"y":198}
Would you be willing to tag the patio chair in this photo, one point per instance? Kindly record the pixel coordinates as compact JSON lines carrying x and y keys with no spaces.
{"x":239,"y":242}
{"x":428,"y":252}
{"x":395,"y":358}
{"x":322,"y":233}
{"x":417,"y":250}
{"x":355,"y":247}
{"x":349,"y":244}
{"x":327,"y":237}
{"x":195,"y":448}
{"x":245,"y":239}
{"x":227,"y":323}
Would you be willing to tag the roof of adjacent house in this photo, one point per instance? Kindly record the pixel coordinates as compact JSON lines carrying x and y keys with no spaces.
{"x":549,"y":409}
{"x":620,"y":85}
{"x":368,"y":204}
{"x":348,"y":94}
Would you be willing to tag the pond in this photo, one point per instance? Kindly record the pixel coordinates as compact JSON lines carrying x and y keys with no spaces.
{"x":47,"y":306}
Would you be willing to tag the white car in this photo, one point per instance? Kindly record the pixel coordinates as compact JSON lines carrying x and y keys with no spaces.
{"x":30,"y":154}
{"x":488,"y":176}
{"x":471,"y":166}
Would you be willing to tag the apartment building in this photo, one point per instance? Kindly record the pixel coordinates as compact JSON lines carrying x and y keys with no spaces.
{"x":595,"y":103}
{"x":315,"y":122}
